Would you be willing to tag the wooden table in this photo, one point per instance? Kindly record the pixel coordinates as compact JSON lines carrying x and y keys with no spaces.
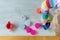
{"x":29,"y":38}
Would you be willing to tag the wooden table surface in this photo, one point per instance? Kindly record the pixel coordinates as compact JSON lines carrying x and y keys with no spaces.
{"x":29,"y":38}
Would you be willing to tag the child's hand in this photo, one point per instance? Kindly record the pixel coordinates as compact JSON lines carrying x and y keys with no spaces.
{"x":55,"y":24}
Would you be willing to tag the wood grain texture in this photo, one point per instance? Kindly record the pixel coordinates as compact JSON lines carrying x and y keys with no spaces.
{"x":29,"y":38}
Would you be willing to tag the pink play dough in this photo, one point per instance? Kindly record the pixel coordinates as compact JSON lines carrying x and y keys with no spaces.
{"x":33,"y":32}
{"x":37,"y":25}
{"x":28,"y":29}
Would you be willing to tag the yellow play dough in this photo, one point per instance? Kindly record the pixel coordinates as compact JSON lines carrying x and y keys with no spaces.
{"x":49,"y":19}
{"x":44,"y":3}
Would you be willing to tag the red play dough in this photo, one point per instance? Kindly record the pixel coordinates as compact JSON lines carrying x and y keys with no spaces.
{"x":37,"y":25}
{"x":33,"y":32}
{"x":28,"y":29}
{"x":9,"y":25}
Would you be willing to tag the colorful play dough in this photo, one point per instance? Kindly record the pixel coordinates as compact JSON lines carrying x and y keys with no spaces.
{"x":48,"y":4}
{"x":43,"y":9}
{"x":28,"y":29}
{"x":44,"y":16}
{"x":37,"y":25}
{"x":44,"y":3}
{"x":38,"y":10}
{"x":27,"y":23}
{"x":52,"y":3}
{"x":46,"y":26}
{"x":49,"y":19}
{"x":33,"y":32}
{"x":9,"y":26}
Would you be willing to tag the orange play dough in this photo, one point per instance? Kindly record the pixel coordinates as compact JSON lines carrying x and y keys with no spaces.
{"x":38,"y":10}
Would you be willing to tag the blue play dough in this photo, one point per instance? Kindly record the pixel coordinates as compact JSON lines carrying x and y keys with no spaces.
{"x":52,"y":3}
{"x":46,"y":26}
{"x":44,"y":16}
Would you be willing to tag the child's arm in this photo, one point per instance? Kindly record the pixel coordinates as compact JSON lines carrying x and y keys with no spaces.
{"x":55,"y":24}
